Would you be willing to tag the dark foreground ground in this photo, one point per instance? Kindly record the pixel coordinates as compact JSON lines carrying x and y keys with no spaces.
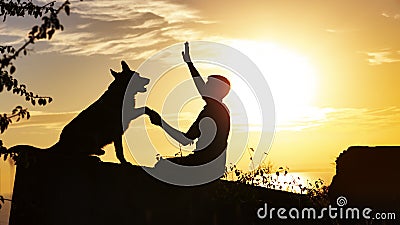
{"x":59,"y":190}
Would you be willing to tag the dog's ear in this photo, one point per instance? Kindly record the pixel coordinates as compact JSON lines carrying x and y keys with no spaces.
{"x":125,"y":66}
{"x":115,"y":74}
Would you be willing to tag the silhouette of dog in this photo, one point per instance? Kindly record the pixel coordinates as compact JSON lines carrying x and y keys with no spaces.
{"x":101,"y":123}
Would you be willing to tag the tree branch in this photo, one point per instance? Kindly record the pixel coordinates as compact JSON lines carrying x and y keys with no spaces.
{"x":37,"y":33}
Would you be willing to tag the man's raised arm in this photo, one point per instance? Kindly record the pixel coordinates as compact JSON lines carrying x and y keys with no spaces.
{"x":198,"y":80}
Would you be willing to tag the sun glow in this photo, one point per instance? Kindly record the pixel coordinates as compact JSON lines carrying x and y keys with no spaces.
{"x":291,"y":77}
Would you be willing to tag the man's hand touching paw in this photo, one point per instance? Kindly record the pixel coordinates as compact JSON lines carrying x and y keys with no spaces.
{"x":155,"y":118}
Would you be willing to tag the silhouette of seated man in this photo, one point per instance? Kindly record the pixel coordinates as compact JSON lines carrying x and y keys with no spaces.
{"x":212,"y":126}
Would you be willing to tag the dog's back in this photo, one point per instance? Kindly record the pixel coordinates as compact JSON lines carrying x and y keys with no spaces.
{"x":97,"y":125}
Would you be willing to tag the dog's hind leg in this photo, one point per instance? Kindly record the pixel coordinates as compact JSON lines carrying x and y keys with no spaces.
{"x":92,"y":146}
{"x":119,"y":149}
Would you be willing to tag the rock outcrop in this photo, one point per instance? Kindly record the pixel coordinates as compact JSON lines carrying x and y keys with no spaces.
{"x":368,"y":177}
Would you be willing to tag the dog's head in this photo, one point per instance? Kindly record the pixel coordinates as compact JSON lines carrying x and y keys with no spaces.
{"x":122,"y":79}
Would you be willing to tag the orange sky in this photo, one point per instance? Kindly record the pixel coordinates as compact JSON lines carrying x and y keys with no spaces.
{"x":333,"y":66}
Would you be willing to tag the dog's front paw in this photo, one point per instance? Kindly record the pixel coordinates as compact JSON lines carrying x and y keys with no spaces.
{"x":155,"y":118}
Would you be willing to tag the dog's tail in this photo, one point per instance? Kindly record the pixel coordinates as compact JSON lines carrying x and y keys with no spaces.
{"x":28,"y":148}
{"x":24,"y":148}
{"x":25,"y":155}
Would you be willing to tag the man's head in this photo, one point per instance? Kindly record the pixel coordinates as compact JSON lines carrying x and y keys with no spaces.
{"x":217,"y":87}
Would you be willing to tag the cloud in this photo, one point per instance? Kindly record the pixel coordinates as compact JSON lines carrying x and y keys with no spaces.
{"x":124,"y":28}
{"x":365,"y":118}
{"x":42,"y":120}
{"x":384,"y":56}
{"x":359,"y":118}
{"x":395,"y":16}
{"x":116,"y":28}
{"x":11,"y":36}
{"x":111,"y":10}
{"x":305,"y":118}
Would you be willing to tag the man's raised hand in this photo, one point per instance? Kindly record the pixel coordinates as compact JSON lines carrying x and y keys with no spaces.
{"x":185,"y":54}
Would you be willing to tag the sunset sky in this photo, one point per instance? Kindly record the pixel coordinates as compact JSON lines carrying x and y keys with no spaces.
{"x":333,"y":68}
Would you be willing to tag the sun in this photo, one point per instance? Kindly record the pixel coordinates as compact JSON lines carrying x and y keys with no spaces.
{"x":291,"y":77}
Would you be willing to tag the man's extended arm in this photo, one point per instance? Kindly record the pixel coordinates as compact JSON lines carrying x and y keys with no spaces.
{"x":156,"y":119}
{"x":176,"y":134}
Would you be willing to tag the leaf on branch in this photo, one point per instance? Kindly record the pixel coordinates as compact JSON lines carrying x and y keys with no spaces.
{"x":3,"y":127}
{"x":67,"y":10}
{"x":42,"y":101}
{"x":34,"y":30}
{"x":50,"y":33}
